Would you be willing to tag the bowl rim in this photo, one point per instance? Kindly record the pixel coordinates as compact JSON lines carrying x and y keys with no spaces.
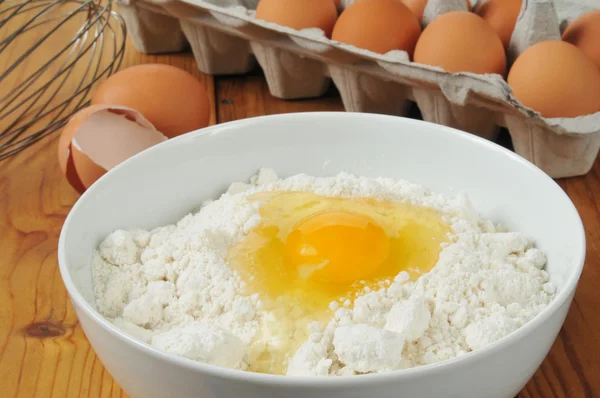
{"x":563,"y":295}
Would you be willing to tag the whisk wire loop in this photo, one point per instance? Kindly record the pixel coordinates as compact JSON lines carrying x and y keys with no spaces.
{"x":57,"y":50}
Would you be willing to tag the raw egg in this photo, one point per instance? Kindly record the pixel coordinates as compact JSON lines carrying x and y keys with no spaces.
{"x":322,"y":248}
{"x":99,"y":137}
{"x":174,"y":101}
{"x":556,"y":79}
{"x":299,"y":14}
{"x":310,"y":250}
{"x":502,"y":16}
{"x":379,"y":26}
{"x":336,"y":247}
{"x":584,"y":33}
{"x":461,"y":41}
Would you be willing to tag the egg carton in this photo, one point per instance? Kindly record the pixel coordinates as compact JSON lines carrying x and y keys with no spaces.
{"x":226,"y":39}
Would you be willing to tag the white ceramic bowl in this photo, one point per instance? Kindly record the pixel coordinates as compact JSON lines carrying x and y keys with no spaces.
{"x":166,"y":182}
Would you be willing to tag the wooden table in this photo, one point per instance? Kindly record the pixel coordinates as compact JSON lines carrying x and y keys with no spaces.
{"x":43,"y":351}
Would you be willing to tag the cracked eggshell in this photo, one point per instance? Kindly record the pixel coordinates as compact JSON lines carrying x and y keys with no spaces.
{"x":98,"y":138}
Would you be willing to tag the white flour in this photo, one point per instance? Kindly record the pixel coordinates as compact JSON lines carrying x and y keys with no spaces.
{"x":172,"y":288}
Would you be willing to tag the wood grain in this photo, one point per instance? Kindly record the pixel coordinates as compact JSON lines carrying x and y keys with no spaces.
{"x":43,"y":351}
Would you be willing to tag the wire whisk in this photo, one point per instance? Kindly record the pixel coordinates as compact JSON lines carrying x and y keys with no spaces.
{"x":52,"y":52}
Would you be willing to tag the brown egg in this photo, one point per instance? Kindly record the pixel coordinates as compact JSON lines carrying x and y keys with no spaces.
{"x":170,"y":98}
{"x":418,"y":7}
{"x":99,"y":137}
{"x":502,"y":16}
{"x":379,"y":26}
{"x":461,"y":41}
{"x":299,"y":14}
{"x":556,"y":79}
{"x":584,"y":32}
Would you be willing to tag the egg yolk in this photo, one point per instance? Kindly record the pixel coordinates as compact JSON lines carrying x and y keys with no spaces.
{"x":310,"y":250}
{"x":337,"y":247}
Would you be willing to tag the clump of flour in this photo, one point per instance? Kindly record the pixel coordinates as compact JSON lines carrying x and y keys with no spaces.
{"x":172,"y":288}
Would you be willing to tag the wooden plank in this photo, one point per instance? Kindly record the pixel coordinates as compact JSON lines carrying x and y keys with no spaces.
{"x":240,"y":97}
{"x":43,"y":351}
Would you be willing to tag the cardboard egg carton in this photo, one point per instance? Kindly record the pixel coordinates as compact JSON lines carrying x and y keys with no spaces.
{"x":226,"y":38}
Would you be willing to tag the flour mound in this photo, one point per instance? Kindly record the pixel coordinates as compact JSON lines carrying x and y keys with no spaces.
{"x":202,"y":342}
{"x":364,"y":348}
{"x":409,"y":318}
{"x":172,"y":288}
